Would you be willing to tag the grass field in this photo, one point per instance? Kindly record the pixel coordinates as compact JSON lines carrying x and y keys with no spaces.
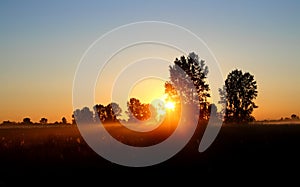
{"x":57,"y":151}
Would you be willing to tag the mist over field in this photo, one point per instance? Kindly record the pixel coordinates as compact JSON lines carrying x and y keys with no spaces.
{"x":145,"y":92}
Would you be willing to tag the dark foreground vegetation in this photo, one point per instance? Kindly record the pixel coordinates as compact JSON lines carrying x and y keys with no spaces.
{"x":54,"y":152}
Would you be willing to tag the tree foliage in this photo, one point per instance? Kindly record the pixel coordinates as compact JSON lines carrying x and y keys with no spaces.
{"x":294,"y":116}
{"x":137,"y":110}
{"x":185,"y":70}
{"x":108,"y":113}
{"x":27,"y":121}
{"x":238,"y":95}
{"x":113,"y":111}
{"x":64,"y":120}
{"x":43,"y":121}
{"x":85,"y":115}
{"x":171,"y":92}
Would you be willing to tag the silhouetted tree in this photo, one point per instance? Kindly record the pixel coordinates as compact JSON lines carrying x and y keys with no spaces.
{"x":7,"y":122}
{"x":73,"y":119}
{"x":196,"y":72}
{"x":171,"y":93}
{"x":100,"y":111}
{"x":108,"y":113}
{"x":113,"y":111}
{"x":84,"y":115}
{"x":137,"y":110}
{"x":238,"y":94}
{"x":27,"y":121}
{"x":64,"y":120}
{"x":294,"y":117}
{"x":213,"y":110}
{"x":43,"y":121}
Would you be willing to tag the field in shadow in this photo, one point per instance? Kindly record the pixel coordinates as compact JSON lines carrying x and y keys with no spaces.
{"x":60,"y":151}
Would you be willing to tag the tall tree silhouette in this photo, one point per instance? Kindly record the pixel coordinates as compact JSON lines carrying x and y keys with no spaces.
{"x":195,"y":71}
{"x":238,"y":94}
{"x":137,"y":110}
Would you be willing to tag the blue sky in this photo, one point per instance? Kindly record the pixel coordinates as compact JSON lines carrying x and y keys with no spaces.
{"x":41,"y":43}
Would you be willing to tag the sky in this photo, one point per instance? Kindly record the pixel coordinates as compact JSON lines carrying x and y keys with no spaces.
{"x":42,"y":42}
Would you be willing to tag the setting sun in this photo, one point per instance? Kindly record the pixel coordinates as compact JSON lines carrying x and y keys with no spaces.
{"x":170,"y":105}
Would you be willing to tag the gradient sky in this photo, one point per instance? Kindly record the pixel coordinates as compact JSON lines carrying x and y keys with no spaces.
{"x":41,"y":43}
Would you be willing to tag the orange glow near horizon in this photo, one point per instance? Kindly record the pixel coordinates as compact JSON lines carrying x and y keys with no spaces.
{"x":41,"y":50}
{"x":148,"y":90}
{"x":151,"y":90}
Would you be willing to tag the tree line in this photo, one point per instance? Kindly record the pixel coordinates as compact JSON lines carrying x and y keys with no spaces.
{"x":110,"y":113}
{"x":42,"y":121}
{"x":187,"y":85}
{"x":188,"y":81}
